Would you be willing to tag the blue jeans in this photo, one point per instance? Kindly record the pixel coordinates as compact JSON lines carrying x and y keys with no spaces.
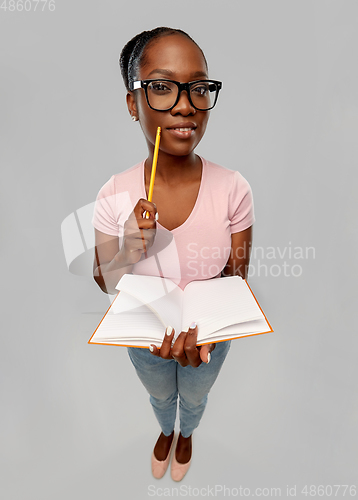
{"x":166,"y":379}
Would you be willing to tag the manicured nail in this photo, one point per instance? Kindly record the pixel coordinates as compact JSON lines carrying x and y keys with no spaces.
{"x":169,"y":331}
{"x":156,"y":216}
{"x":209,"y":358}
{"x":193,"y":326}
{"x":151,"y":348}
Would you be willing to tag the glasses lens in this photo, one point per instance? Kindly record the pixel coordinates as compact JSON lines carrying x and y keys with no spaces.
{"x":203,"y":94}
{"x":162,"y":95}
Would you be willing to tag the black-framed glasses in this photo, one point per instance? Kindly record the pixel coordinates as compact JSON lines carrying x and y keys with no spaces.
{"x":163,"y":95}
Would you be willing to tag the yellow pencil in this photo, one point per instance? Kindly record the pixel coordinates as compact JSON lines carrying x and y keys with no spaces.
{"x":154,"y":167}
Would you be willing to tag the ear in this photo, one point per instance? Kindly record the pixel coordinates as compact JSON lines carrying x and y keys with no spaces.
{"x":131,"y":104}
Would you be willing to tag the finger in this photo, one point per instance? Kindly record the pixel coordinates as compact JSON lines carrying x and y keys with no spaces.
{"x":136,"y":239}
{"x":205,"y":352}
{"x":151,"y":214}
{"x":191,"y":351}
{"x":143,"y":206}
{"x":133,"y":243}
{"x":178,"y":349}
{"x":154,"y":350}
{"x":167,"y":343}
{"x":144,"y":232}
{"x":132,"y":226}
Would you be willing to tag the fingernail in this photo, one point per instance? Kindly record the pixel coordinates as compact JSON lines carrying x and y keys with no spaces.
{"x":193,"y":325}
{"x":151,"y":348}
{"x":156,"y":216}
{"x":209,"y":358}
{"x":169,"y":330}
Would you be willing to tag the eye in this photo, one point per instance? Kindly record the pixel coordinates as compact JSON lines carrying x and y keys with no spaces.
{"x":201,"y":89}
{"x":159,"y":88}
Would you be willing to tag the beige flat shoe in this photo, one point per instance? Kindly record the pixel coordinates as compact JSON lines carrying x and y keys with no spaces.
{"x":159,"y":467}
{"x":179,"y":470}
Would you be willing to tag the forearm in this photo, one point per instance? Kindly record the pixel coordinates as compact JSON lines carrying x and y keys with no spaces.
{"x":107,"y":275}
{"x":239,"y":259}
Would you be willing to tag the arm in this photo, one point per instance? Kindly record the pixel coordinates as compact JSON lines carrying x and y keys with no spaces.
{"x":111,"y":262}
{"x":239,"y":259}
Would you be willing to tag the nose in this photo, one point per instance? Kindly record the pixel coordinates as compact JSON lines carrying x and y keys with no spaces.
{"x":183,"y":106}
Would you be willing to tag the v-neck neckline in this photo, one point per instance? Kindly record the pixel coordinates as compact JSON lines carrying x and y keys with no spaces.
{"x":197,"y":201}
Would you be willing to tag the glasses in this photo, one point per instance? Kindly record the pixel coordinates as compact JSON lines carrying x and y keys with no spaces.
{"x":163,"y":95}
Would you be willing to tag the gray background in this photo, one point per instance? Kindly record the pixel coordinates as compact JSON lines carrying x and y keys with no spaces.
{"x":75,"y":421}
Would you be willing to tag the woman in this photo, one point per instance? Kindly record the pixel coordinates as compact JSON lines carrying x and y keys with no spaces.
{"x":202,"y":206}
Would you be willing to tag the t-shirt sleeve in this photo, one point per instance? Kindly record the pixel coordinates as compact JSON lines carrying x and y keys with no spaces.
{"x":241,"y":204}
{"x":104,"y":214}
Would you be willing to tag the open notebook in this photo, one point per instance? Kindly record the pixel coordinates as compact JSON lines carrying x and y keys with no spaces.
{"x":223,"y":309}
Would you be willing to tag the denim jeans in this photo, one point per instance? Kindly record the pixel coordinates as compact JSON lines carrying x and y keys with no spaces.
{"x":165,"y":380}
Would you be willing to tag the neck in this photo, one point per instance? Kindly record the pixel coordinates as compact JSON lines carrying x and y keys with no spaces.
{"x":172,"y":169}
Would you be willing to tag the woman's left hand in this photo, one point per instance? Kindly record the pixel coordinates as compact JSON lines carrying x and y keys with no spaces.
{"x":184,"y":351}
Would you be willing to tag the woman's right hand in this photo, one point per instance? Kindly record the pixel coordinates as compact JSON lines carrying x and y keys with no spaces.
{"x":184,"y":350}
{"x":139,"y":232}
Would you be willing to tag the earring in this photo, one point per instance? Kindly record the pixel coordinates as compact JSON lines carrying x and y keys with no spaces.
{"x":134,"y":118}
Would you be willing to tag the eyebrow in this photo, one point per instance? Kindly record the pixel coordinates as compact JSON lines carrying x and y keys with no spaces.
{"x":167,"y":72}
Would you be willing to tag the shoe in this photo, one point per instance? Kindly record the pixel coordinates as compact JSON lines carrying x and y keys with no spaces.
{"x":178,"y":470}
{"x":159,"y":467}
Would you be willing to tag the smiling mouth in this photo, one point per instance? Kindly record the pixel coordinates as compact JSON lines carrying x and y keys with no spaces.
{"x":182,"y":132}
{"x":183,"y":129}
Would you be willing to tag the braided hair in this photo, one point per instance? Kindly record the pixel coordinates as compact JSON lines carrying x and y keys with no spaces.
{"x":133,"y":53}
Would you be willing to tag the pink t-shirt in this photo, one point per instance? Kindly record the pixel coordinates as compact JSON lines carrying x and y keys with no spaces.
{"x":200,"y":247}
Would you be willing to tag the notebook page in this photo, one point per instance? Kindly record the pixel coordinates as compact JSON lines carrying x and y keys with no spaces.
{"x":117,"y":327}
{"x":146,"y":288}
{"x":128,"y":318}
{"x":240,"y":329}
{"x":129,"y":342}
{"x":159,"y":294}
{"x":216,"y":303}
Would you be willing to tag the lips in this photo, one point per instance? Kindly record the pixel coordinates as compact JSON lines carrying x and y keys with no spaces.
{"x":183,"y":126}
{"x":182,"y":130}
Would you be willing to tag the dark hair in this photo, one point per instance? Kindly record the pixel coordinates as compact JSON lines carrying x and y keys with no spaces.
{"x":133,"y":53}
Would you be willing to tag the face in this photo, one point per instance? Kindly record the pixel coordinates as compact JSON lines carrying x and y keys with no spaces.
{"x":173,"y":57}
